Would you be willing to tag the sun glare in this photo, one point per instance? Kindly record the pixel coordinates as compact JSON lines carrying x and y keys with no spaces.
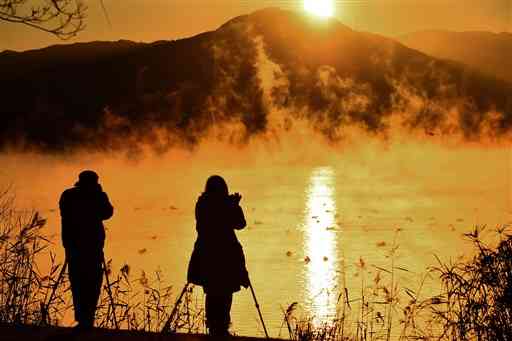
{"x":322,"y":8}
{"x":321,"y":244}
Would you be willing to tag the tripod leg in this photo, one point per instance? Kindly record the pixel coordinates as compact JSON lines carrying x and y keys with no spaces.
{"x":259,"y":311}
{"x":175,"y":309}
{"x":105,"y":270}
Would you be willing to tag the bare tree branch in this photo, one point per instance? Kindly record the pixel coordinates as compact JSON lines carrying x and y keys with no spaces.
{"x":62,"y":18}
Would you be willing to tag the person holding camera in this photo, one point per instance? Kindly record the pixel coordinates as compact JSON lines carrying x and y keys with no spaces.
{"x":83,"y":209}
{"x":218,"y":262}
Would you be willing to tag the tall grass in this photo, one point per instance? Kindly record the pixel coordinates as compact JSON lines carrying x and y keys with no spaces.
{"x":145,"y":303}
{"x":477,"y":303}
{"x":25,"y":293}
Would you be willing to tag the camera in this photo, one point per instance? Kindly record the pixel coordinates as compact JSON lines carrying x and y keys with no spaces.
{"x":236,"y":197}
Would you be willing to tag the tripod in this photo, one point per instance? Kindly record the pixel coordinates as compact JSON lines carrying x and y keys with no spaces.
{"x":258,"y":309}
{"x":58,"y":281}
{"x":180,"y":297}
{"x":167,"y":325}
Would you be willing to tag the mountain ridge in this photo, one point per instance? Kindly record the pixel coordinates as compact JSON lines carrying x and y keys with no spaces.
{"x":271,"y":60}
{"x":489,"y":52}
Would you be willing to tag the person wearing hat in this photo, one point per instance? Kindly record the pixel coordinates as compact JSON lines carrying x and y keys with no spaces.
{"x":218,"y":262}
{"x":83,"y":209}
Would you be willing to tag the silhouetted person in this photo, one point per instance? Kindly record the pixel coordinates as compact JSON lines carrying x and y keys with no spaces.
{"x":83,"y":209}
{"x":218,"y":262}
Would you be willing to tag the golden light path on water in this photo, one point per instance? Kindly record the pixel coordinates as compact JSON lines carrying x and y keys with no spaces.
{"x":320,"y":244}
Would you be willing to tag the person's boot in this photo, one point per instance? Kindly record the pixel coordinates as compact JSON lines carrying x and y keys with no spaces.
{"x":88,"y":324}
{"x":79,"y":328}
{"x":218,"y":332}
{"x":83,"y":326}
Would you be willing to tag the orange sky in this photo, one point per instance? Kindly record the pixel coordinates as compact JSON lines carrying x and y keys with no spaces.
{"x":150,"y":20}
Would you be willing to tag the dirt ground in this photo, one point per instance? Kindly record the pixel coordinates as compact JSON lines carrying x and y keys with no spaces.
{"x":31,"y":333}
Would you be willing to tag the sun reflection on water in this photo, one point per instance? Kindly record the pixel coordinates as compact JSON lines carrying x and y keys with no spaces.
{"x":320,"y":244}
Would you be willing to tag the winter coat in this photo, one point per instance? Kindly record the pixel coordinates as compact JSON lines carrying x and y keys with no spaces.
{"x":217,"y":262}
{"x":83,"y":209}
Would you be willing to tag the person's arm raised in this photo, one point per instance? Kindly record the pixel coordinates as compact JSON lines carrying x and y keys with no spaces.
{"x":239,"y":222}
{"x":237,"y":214}
{"x":106,"y":208}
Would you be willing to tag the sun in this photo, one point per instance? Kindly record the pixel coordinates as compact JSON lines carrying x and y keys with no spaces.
{"x":322,"y":8}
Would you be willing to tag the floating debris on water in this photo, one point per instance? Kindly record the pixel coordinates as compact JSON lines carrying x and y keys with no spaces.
{"x":172,"y":208}
{"x":381,"y":243}
{"x":330,"y":228}
{"x":409,"y":219}
{"x":361,"y":264}
{"x":142,"y":251}
{"x":307,"y":259}
{"x":326,"y":259}
{"x":154,"y":237}
{"x":289,"y":253}
{"x":460,"y":220}
{"x":379,"y":317}
{"x":314,"y":217}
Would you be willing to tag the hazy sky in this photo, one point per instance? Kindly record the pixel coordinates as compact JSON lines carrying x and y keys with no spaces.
{"x":150,"y":20}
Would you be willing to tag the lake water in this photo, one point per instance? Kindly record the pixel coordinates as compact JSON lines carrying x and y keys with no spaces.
{"x":310,"y":221}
